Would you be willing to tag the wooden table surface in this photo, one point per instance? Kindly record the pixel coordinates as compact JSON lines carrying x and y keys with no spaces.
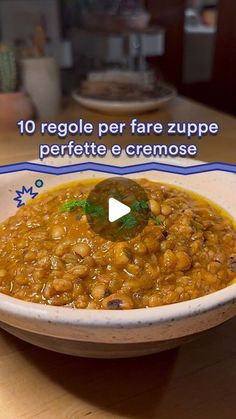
{"x":196,"y":381}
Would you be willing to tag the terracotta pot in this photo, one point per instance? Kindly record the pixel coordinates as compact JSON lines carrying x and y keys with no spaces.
{"x":14,"y":107}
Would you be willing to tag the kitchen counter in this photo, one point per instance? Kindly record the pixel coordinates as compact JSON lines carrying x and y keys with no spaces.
{"x":195,"y":381}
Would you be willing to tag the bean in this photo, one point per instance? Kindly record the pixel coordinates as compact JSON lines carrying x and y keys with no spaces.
{"x":118,"y":302}
{"x":62,"y":248}
{"x":155,"y":207}
{"x":57,"y":232}
{"x":166,"y":209}
{"x":213,"y":267}
{"x":21,"y":280}
{"x":140,"y":248}
{"x":99,"y":291}
{"x":121,"y":255}
{"x":82,"y":249}
{"x":169,"y":259}
{"x":232,"y":263}
{"x":30,"y":256}
{"x":115,"y":285}
{"x":183,"y":261}
{"x":154,"y":300}
{"x":152,"y":272}
{"x":81,"y":271}
{"x":89,"y":261}
{"x":70,"y":258}
{"x":62,"y":285}
{"x":133,"y":269}
{"x":56,"y":263}
{"x":3,"y":273}
{"x":82,"y":301}
{"x":152,"y":244}
{"x":209,"y":278}
{"x":195,"y":246}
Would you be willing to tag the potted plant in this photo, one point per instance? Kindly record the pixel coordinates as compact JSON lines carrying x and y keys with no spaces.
{"x":14,"y":104}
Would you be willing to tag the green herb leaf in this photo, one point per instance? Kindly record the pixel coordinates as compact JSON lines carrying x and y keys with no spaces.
{"x":128,"y":222}
{"x":95,"y":210}
{"x":157,"y":220}
{"x":139,"y":206}
{"x":117,"y":195}
{"x":73,"y":205}
{"x":87,"y":207}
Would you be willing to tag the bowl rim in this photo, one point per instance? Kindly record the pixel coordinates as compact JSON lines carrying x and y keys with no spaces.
{"x":134,"y":318}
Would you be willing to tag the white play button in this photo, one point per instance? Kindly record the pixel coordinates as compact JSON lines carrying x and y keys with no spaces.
{"x":117,"y":210}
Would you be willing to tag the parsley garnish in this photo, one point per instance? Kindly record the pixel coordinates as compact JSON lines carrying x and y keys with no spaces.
{"x":139,"y":206}
{"x":73,"y":205}
{"x":95,"y":210}
{"x":128,"y":222}
{"x":87,"y":207}
{"x":157,"y":220}
{"x":117,"y":195}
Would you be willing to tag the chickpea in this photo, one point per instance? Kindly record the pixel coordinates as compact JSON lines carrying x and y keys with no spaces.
{"x":82,"y":249}
{"x":99,"y":291}
{"x":57,"y":232}
{"x":155,"y":207}
{"x":183,"y":261}
{"x":121,"y":255}
{"x":62,"y":285}
{"x":166,"y":209}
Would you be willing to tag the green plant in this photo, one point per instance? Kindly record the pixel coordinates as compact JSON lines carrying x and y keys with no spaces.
{"x":8,"y":69}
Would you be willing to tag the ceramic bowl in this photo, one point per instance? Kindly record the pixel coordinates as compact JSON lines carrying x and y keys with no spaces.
{"x":115,"y":107}
{"x":113,"y":334}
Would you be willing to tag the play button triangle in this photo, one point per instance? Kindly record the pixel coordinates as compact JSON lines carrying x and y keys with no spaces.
{"x":117,"y":210}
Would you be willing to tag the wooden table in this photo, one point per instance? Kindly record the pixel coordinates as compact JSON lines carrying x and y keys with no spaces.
{"x":196,"y":381}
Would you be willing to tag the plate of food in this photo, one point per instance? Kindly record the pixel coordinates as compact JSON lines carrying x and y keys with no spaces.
{"x":68,"y":287}
{"x":123,"y":93}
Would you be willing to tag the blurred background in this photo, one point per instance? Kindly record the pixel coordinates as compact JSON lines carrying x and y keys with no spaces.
{"x":189,"y":44}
